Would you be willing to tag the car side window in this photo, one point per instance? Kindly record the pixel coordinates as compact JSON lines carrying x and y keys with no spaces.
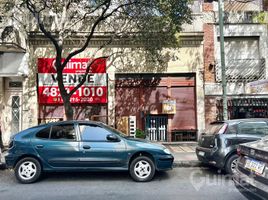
{"x":63,"y":132}
{"x":232,"y":129}
{"x":253,"y":128}
{"x":44,"y":133}
{"x":93,"y":133}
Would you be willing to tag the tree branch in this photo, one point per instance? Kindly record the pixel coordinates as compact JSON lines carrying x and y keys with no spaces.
{"x":88,"y":13}
{"x":102,"y":17}
{"x":96,"y":23}
{"x":84,"y":76}
{"x":36,"y":14}
{"x":88,"y":68}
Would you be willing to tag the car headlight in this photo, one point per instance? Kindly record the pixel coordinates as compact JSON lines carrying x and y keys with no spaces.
{"x":167,"y":151}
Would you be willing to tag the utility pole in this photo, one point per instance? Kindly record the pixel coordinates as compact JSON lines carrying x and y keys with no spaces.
{"x":223,"y":71}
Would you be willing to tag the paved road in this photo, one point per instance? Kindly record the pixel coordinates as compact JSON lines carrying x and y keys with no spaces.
{"x":180,"y":183}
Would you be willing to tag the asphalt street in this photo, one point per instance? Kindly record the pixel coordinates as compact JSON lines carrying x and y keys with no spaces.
{"x":180,"y":183}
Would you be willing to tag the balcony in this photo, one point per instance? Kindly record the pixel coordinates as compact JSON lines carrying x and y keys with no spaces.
{"x":239,"y":17}
{"x":241,"y":70}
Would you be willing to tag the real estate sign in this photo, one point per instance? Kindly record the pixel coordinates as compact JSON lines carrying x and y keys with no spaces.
{"x":94,"y":90}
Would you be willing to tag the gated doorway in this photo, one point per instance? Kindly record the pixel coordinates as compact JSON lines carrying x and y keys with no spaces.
{"x":156,"y":127}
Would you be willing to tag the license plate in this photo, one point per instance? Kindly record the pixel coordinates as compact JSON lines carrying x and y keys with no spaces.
{"x":201,"y":153}
{"x":255,"y":166}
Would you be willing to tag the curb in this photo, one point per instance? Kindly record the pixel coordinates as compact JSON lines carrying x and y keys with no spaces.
{"x":180,"y":143}
{"x":190,"y":163}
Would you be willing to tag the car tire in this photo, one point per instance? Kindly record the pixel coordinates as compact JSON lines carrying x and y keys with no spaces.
{"x":28,"y":170}
{"x":142,"y":169}
{"x":231,"y":163}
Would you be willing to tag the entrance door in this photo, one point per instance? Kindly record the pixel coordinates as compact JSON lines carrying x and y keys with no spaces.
{"x":156,"y":127}
{"x":15,"y":114}
{"x":11,"y":114}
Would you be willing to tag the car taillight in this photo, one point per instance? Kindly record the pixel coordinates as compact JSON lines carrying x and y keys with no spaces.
{"x":223,"y":129}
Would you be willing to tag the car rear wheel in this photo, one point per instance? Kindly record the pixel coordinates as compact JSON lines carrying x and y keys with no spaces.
{"x":142,"y":169}
{"x":231,"y":164}
{"x":28,"y":170}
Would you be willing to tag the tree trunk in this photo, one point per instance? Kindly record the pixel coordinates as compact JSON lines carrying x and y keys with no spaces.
{"x":1,"y":141}
{"x":69,"y":112}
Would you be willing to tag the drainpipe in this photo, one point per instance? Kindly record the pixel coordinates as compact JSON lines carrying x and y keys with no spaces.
{"x":222,"y":55}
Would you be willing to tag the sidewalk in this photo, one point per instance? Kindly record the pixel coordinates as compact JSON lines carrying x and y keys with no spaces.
{"x":184,"y":154}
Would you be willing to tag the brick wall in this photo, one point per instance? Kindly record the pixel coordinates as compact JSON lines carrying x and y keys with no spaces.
{"x":265,"y":5}
{"x":209,"y":53}
{"x":209,"y":65}
{"x":210,"y":110}
{"x":207,"y":7}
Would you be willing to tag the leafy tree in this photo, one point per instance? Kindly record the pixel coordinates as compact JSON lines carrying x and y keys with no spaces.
{"x":153,"y":24}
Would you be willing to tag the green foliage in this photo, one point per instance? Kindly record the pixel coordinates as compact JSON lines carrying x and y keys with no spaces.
{"x":151,"y":25}
{"x":261,"y":17}
{"x":140,"y":134}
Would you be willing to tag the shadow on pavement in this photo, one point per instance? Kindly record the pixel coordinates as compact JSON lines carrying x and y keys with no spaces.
{"x":96,"y":176}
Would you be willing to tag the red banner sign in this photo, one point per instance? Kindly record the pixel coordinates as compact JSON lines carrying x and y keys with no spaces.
{"x":94,"y":90}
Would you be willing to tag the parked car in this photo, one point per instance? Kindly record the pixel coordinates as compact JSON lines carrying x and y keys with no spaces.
{"x":83,"y":146}
{"x":218,"y":145}
{"x":251,"y":177}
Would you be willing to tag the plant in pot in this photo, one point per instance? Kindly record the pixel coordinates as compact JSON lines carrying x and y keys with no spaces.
{"x":140,"y":134}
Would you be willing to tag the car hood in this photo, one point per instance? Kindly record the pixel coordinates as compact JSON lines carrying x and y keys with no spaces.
{"x":144,"y":143}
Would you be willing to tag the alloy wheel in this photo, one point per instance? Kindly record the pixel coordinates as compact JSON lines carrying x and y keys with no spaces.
{"x":142,"y":169}
{"x":233,"y":166}
{"x":27,"y":170}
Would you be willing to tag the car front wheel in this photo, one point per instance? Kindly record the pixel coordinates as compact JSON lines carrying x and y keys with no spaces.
{"x":28,"y":170}
{"x":142,"y":169}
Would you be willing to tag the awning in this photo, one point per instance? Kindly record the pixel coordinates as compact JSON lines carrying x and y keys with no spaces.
{"x":13,"y":64}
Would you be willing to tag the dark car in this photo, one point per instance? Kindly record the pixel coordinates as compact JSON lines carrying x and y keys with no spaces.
{"x":251,"y":177}
{"x":218,"y":145}
{"x":83,"y":146}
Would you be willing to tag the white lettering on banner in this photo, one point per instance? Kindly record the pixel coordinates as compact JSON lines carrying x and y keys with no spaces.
{"x":82,"y":92}
{"x":73,"y":65}
{"x":72,"y":79}
{"x":94,"y":90}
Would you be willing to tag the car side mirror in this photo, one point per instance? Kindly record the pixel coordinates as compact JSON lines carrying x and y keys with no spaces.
{"x":112,"y":138}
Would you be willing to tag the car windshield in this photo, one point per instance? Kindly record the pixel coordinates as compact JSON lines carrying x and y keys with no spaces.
{"x":115,"y":131}
{"x":214,"y":128}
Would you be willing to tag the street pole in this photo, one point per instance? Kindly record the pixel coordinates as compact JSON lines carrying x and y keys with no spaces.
{"x":223,"y":75}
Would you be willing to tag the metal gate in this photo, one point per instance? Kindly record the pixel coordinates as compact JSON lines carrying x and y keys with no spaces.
{"x":156,"y":127}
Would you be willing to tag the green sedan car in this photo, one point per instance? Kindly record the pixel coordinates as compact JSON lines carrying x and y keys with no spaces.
{"x":83,"y":146}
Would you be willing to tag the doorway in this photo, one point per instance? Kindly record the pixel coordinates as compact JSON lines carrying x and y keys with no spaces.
{"x":156,"y":127}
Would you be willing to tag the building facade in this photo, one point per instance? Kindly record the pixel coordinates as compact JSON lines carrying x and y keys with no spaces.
{"x":245,"y":42}
{"x":13,"y":73}
{"x":166,"y":101}
{"x":170,"y":102}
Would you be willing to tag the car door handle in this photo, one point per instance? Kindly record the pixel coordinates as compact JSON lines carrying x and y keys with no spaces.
{"x":86,"y":147}
{"x":39,"y":146}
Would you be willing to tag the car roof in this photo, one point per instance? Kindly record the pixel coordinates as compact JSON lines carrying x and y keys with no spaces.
{"x":73,"y":121}
{"x":242,"y":120}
